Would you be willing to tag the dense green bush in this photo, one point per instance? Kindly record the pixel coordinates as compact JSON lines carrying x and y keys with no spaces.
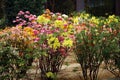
{"x":97,"y":41}
{"x":12,"y":66}
{"x":112,"y":49}
{"x":16,"y":52}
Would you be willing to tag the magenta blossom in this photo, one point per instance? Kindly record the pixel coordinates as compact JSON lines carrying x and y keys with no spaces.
{"x":36,"y":39}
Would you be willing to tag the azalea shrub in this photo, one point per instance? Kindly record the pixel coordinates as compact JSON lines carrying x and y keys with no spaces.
{"x":55,"y":41}
{"x":50,"y":37}
{"x":112,"y":45}
{"x":97,"y":39}
{"x":17,"y":50}
{"x":89,"y":46}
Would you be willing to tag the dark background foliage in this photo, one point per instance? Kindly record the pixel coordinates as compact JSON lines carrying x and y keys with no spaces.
{"x":100,"y":7}
{"x":63,"y":6}
{"x":12,"y":7}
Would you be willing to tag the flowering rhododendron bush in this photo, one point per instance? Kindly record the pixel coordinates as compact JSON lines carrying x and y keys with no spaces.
{"x":97,"y":40}
{"x":50,"y":37}
{"x":112,"y":46}
{"x":17,"y":49}
{"x":55,"y":41}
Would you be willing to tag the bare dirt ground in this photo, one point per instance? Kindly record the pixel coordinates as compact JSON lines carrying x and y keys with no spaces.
{"x":71,"y":71}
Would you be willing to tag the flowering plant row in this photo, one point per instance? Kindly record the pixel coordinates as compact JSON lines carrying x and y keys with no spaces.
{"x":47,"y":37}
{"x":56,"y":28}
{"x":51,"y":36}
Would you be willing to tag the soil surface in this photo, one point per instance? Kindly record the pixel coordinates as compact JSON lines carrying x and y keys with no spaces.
{"x":71,"y":71}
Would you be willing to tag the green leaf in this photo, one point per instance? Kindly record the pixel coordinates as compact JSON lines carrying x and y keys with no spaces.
{"x":50,"y":75}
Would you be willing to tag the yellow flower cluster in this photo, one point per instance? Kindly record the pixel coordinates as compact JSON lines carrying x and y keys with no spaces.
{"x":67,"y":43}
{"x":112,"y":18}
{"x":59,"y":23}
{"x":53,"y":42}
{"x":29,"y":31}
{"x":84,"y":15}
{"x":80,"y":18}
{"x":94,"y":20}
{"x":75,"y":20}
{"x":42,"y":19}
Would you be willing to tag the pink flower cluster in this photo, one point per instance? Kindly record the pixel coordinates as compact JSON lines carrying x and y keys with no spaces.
{"x":25,"y":19}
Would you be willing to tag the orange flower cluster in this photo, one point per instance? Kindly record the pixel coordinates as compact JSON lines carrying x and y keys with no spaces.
{"x":18,"y":37}
{"x":47,"y":14}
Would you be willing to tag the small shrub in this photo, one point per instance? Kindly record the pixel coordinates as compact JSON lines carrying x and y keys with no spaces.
{"x":16,"y":52}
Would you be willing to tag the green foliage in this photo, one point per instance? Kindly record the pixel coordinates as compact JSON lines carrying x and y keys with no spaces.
{"x":2,"y":22}
{"x":89,"y":51}
{"x":16,"y":56}
{"x":111,"y":51}
{"x":50,"y":75}
{"x":98,"y":40}
{"x":12,"y":65}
